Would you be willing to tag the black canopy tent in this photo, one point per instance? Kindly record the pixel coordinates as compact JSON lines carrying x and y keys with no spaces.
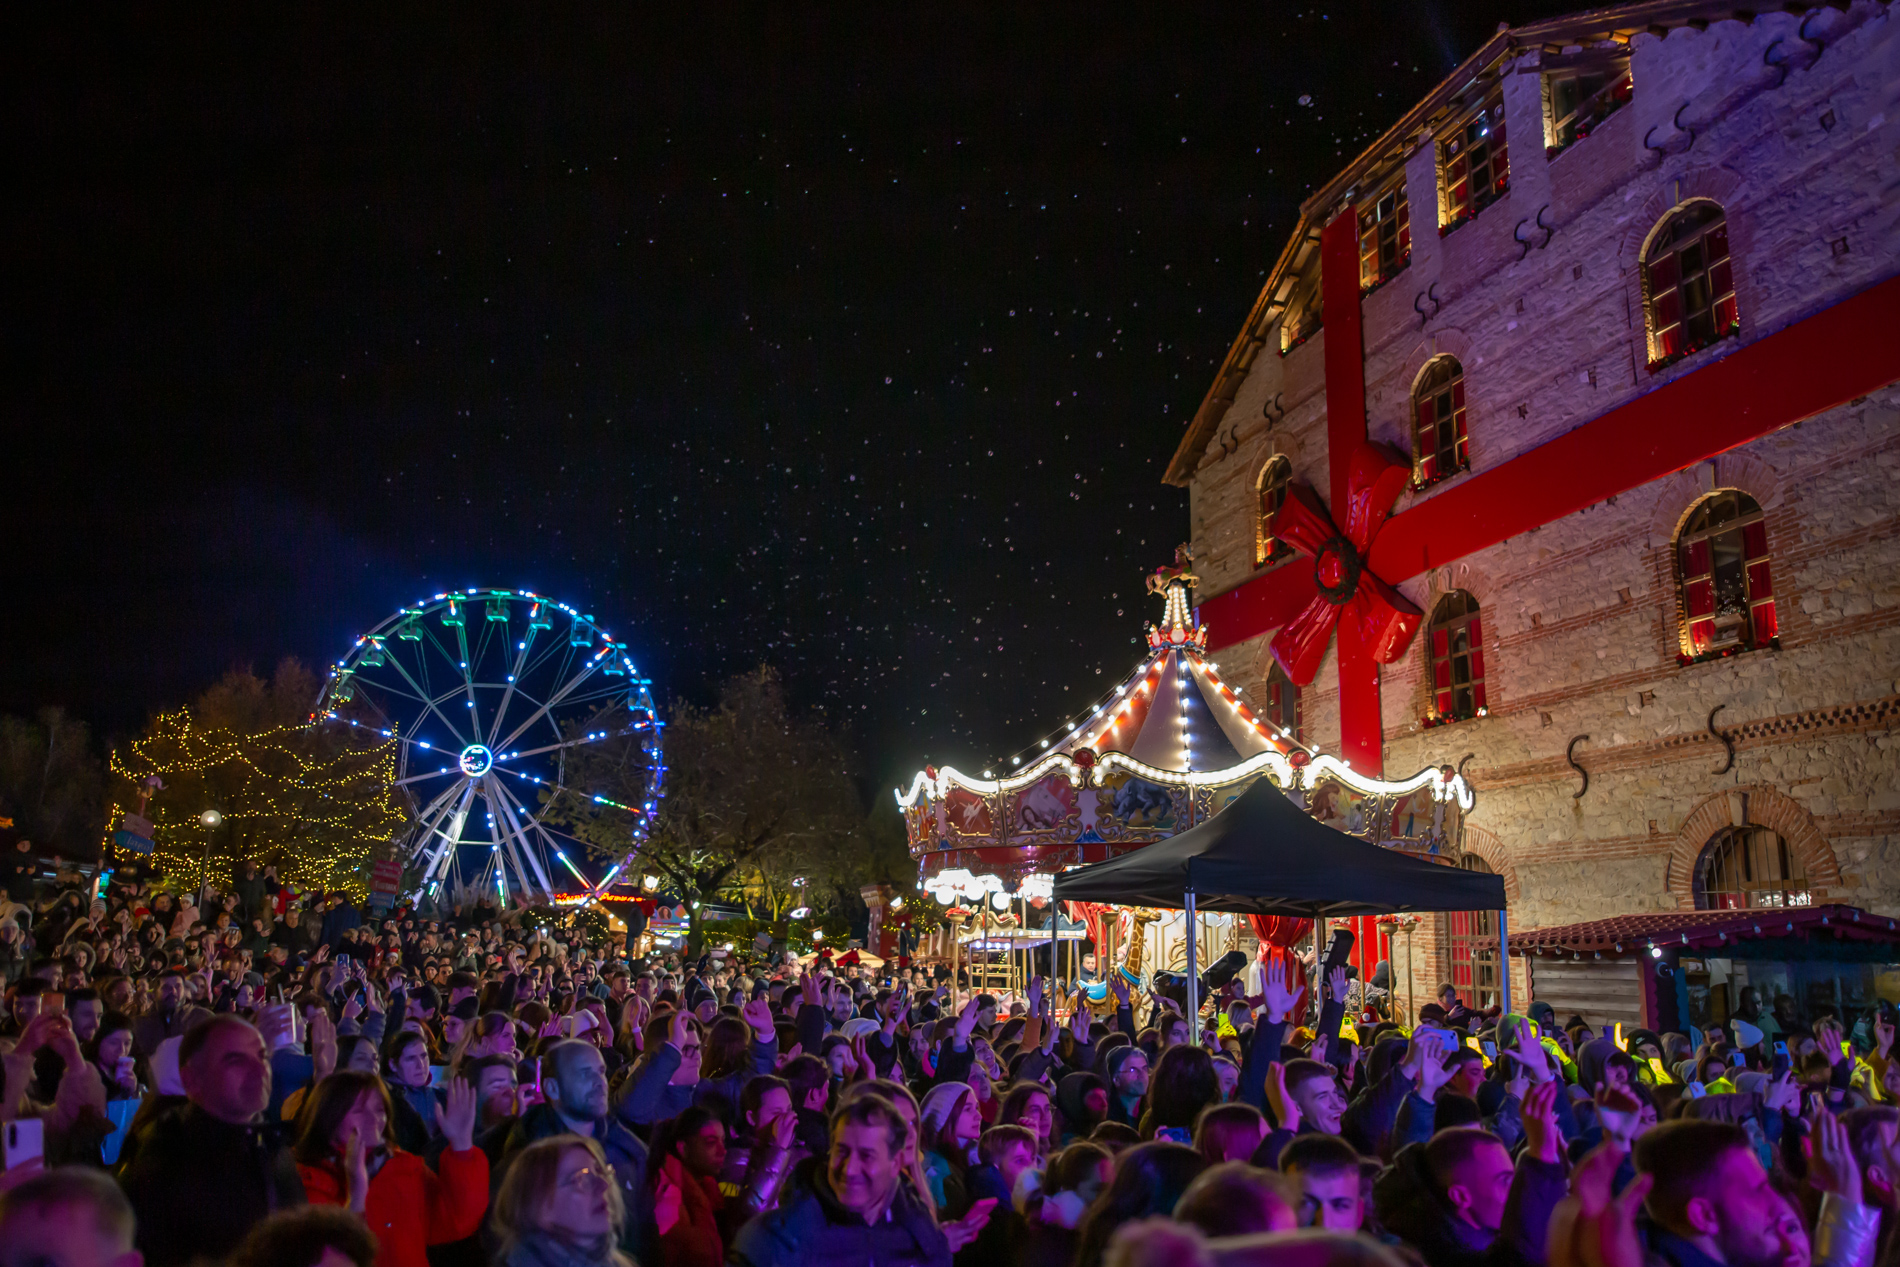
{"x":1264,"y":855}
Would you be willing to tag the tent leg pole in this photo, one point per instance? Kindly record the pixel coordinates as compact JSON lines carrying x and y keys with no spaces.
{"x":1193,"y":978}
{"x":1504,"y":962}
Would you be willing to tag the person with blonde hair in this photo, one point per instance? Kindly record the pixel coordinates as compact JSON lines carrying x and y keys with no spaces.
{"x":559,"y":1207}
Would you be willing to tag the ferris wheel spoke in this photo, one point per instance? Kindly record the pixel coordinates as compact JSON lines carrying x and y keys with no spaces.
{"x":555,"y":699}
{"x":508,"y":695}
{"x":424,"y":699}
{"x":525,"y":753}
{"x":514,"y":811}
{"x":446,"y":842}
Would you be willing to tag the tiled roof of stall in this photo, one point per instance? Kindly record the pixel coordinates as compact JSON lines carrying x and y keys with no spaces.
{"x":1705,"y":930}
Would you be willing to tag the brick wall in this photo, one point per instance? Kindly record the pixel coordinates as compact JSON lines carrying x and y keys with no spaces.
{"x":1581,"y":616}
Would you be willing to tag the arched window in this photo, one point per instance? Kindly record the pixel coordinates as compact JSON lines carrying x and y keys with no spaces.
{"x":1474,"y":968}
{"x":1746,"y":867}
{"x":1270,"y":496}
{"x":1282,"y":701}
{"x":1728,"y":601}
{"x":1688,"y":284}
{"x":1438,"y":422}
{"x":1456,"y":646}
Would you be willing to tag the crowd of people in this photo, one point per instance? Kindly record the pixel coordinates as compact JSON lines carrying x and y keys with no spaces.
{"x":264,"y":1077}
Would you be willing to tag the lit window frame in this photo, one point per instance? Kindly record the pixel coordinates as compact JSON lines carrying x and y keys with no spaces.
{"x":1751,"y":845}
{"x":1439,"y":391}
{"x":1701,"y":608}
{"x":1590,"y":111}
{"x":1280,"y":697}
{"x":1269,"y":496}
{"x":1454,"y":699}
{"x":1474,"y":164}
{"x":1385,"y":235}
{"x":1673,"y":279}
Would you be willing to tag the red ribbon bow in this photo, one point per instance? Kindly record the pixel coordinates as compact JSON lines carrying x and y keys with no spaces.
{"x":1384,"y":618}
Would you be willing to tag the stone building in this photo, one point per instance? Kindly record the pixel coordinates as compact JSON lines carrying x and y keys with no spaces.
{"x":1621,"y":297}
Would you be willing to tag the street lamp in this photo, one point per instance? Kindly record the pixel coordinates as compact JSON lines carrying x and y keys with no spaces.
{"x":210,"y":818}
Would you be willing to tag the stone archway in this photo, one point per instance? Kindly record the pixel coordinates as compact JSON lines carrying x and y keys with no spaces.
{"x":1751,"y":805}
{"x":1487,"y":846}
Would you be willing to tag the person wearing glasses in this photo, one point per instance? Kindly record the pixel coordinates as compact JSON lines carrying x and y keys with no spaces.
{"x":574,"y":1087}
{"x":560,"y":1204}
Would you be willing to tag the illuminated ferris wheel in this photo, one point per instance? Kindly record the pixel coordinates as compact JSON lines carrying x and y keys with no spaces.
{"x":492,"y":694}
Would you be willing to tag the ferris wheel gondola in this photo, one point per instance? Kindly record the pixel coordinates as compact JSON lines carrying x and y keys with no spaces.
{"x":490,"y":693}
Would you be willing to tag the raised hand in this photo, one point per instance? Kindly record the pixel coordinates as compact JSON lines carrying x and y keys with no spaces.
{"x":1337,"y":984}
{"x":1035,"y":995}
{"x":1080,"y":1018}
{"x":964,"y":1230}
{"x":1285,"y":1111}
{"x":457,"y":1117}
{"x":356,"y":1170}
{"x":678,"y":1031}
{"x":1618,"y":1111}
{"x":1279,"y":994}
{"x":323,"y":1043}
{"x":1542,"y":1139}
{"x":758,"y":1014}
{"x":1118,"y":986}
{"x":966,"y":1020}
{"x":1832,"y":1166}
{"x":784,"y":1130}
{"x":1827,"y":1036}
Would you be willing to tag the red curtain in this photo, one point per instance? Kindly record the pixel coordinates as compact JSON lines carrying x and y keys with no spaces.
{"x":1279,"y":930}
{"x":1090,"y":914}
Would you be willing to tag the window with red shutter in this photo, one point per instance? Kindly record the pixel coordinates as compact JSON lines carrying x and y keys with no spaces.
{"x":1439,"y":447}
{"x":1283,"y":702}
{"x":1728,"y":600}
{"x":1385,"y":235}
{"x":1270,"y":495}
{"x":1689,"y":284}
{"x":1474,"y":164}
{"x":1457,"y":653}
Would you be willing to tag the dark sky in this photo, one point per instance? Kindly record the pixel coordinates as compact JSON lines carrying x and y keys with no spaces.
{"x":850,"y":341}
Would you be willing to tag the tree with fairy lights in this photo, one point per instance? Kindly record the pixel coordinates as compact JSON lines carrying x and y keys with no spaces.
{"x":314,"y":803}
{"x":755,"y":793}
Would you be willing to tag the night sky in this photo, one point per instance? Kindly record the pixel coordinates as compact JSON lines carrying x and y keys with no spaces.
{"x":854,"y":342}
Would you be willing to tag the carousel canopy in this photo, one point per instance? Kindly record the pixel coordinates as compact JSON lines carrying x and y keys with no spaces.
{"x":1264,"y":855}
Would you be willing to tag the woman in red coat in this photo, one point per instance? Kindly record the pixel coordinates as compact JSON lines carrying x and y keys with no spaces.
{"x":347,"y":1155}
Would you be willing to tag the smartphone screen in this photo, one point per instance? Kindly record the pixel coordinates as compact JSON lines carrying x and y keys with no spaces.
{"x":1490,"y":1049}
{"x":1662,"y":1074}
{"x":1736,"y":1058}
{"x":25,"y":1140}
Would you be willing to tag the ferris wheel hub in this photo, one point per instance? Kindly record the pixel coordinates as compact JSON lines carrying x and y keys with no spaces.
{"x":476,"y":760}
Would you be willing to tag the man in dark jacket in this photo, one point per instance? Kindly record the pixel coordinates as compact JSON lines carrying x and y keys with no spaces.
{"x":855,"y":1208}
{"x":338,"y":919}
{"x":170,"y":1017}
{"x":202,"y":1174}
{"x":574,"y":1079}
{"x":1459,"y":1200}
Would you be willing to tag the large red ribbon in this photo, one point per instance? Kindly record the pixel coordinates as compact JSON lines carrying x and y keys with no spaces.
{"x":1381,"y":619}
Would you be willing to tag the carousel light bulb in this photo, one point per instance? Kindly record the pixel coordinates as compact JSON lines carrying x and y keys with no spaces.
{"x":1000,"y":901}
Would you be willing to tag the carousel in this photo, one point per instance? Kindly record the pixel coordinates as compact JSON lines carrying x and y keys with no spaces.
{"x":1168,"y":747}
